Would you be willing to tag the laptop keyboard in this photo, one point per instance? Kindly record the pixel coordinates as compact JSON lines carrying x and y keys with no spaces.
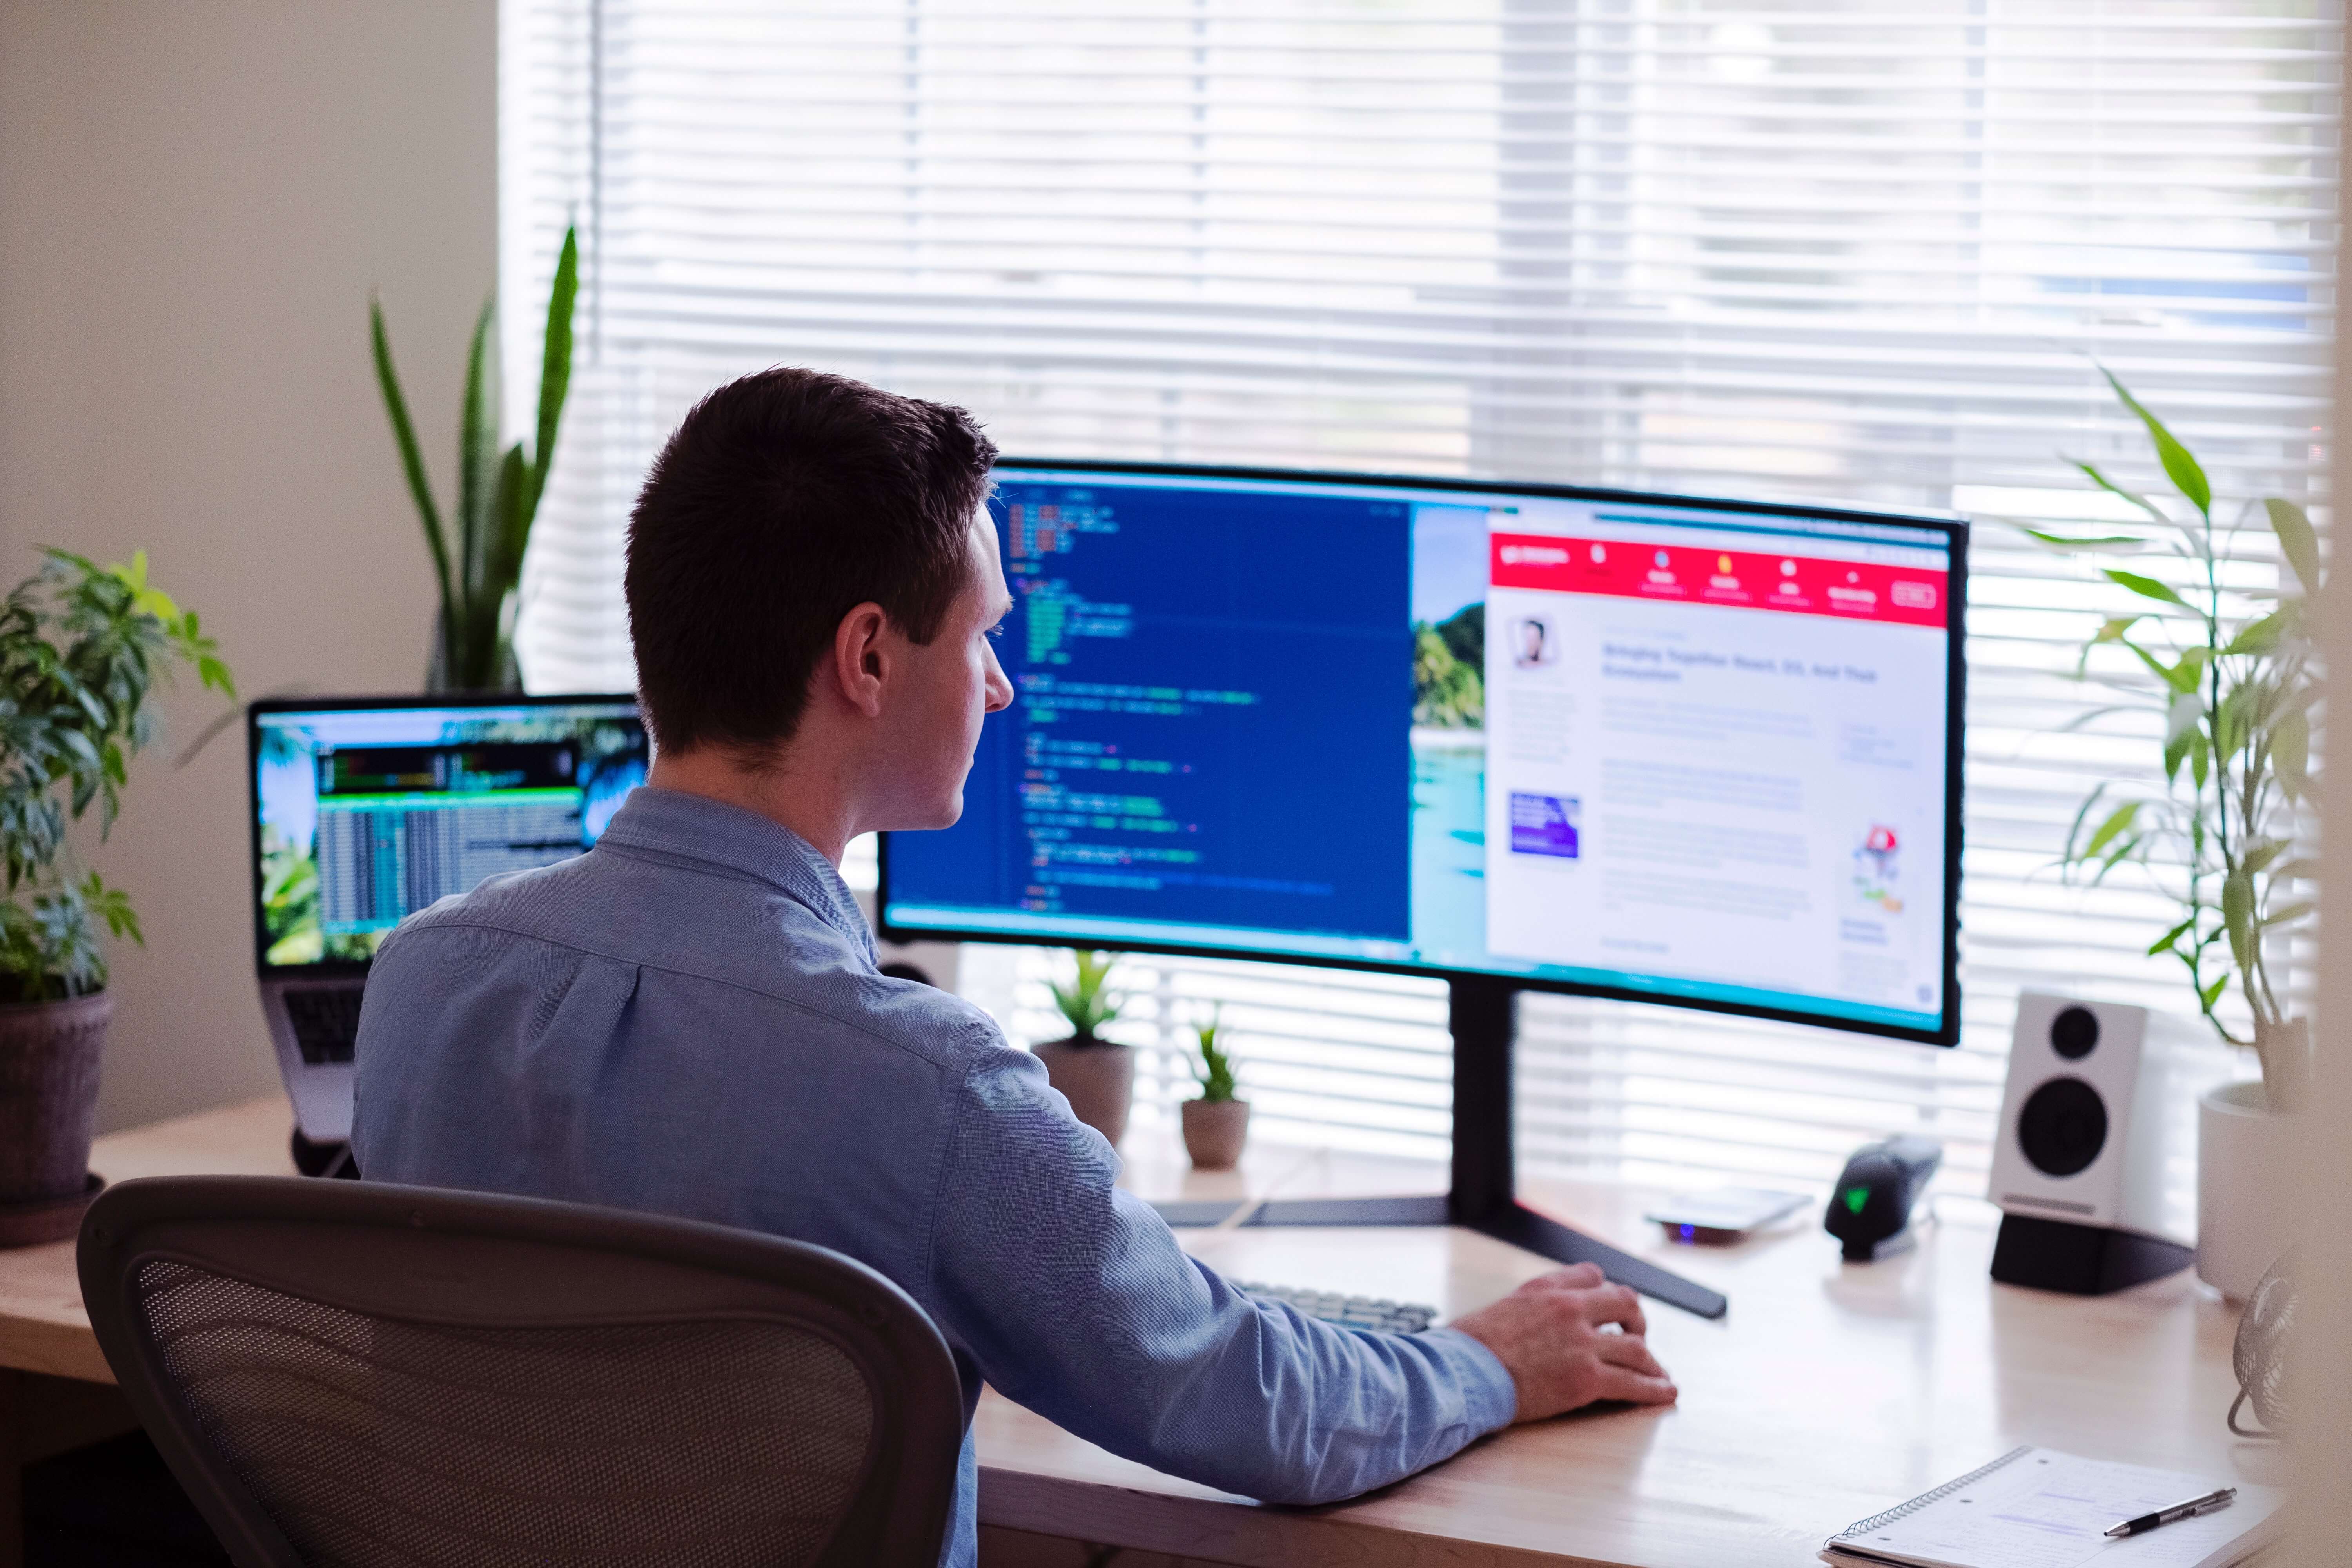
{"x":326,"y":1022}
{"x":1348,"y":1311}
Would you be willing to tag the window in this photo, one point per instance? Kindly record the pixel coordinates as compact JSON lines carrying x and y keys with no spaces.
{"x":1864,"y":250}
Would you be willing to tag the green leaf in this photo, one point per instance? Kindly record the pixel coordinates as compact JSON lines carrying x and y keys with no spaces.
{"x":2117,"y":821}
{"x":478,"y":452}
{"x":2289,"y":915}
{"x":502,"y":562}
{"x":2096,"y":542}
{"x":1084,"y":1002}
{"x":412,"y":459}
{"x":2116,"y":855}
{"x":2229,"y":726}
{"x":2259,"y":854}
{"x":2262,"y":635}
{"x":2296,"y":539}
{"x":555,"y":368}
{"x":2112,"y":488}
{"x":2188,"y":672}
{"x":2291,"y":752}
{"x":2238,"y":914}
{"x":2156,"y":666}
{"x":2201,"y":758}
{"x":2074,"y":830}
{"x":2179,"y":465}
{"x":2174,"y":750}
{"x":2111,"y":630}
{"x":2212,"y":993}
{"x":2148,"y":588}
{"x":2164,"y":943}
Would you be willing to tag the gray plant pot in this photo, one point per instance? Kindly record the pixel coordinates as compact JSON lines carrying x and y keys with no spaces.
{"x":1214,"y":1132}
{"x":1099,"y":1081}
{"x":49,"y":1055}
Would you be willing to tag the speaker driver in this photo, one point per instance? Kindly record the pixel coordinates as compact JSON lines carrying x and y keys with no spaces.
{"x":2062,"y":1127}
{"x":2073,"y":1032}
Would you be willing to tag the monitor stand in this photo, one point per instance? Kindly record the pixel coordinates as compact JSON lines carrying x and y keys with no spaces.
{"x":1480,"y":1013}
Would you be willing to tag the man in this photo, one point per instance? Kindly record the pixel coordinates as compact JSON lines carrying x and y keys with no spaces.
{"x":687,"y":1019}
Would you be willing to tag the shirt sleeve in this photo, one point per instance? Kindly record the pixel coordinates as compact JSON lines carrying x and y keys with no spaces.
{"x":1073,"y":1299}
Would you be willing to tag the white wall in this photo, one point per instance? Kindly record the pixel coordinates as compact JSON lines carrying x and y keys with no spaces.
{"x":196,"y":197}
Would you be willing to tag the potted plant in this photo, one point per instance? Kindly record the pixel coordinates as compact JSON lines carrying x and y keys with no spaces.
{"x":2235,"y":690}
{"x":480,"y":570}
{"x":1095,"y":1075}
{"x":80,"y":648}
{"x":1217,"y":1123}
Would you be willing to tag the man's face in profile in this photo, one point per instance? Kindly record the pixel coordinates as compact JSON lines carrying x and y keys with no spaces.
{"x":950,"y":686}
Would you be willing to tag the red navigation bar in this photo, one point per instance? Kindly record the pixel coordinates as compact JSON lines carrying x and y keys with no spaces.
{"x":1736,"y":579}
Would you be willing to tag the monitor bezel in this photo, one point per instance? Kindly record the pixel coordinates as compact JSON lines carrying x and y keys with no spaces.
{"x":1956,"y":532}
{"x":350,"y":968}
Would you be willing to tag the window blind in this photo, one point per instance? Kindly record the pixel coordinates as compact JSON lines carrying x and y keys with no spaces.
{"x":1868,"y":251}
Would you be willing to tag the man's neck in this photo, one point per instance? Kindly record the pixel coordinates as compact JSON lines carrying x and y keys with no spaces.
{"x":793,"y":793}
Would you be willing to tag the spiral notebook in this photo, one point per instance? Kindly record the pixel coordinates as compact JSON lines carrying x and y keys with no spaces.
{"x":2036,"y":1508}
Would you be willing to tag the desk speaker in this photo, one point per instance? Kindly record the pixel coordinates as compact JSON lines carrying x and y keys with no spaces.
{"x":2078,"y":1167}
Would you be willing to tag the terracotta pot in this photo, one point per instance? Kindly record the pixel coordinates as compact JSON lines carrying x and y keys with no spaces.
{"x":48,"y":1110}
{"x":1097,"y":1080}
{"x":1214,"y":1132}
{"x":2246,"y":1214}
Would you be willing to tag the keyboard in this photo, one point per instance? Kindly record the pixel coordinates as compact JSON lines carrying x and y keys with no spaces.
{"x":1348,"y":1311}
{"x":326,"y":1021}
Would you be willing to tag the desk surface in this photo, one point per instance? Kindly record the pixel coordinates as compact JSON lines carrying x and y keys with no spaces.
{"x":1827,"y":1393}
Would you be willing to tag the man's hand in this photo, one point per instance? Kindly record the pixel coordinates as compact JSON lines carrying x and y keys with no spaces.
{"x":1553,"y":1335}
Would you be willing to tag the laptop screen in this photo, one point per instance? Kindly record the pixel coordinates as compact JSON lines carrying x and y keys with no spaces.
{"x":368,"y":809}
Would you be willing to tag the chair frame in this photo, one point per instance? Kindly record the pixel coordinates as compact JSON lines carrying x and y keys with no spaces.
{"x":458,"y":1259}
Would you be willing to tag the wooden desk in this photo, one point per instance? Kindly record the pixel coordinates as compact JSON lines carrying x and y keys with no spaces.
{"x":1828,"y":1392}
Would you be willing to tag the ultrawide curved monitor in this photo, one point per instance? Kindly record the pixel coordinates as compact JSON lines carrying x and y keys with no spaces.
{"x":1699,"y":752}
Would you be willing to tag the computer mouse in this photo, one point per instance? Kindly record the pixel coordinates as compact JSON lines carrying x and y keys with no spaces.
{"x":1870,"y":1209}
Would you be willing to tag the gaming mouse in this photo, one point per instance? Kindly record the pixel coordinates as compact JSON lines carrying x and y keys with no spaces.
{"x":1870,"y":1209}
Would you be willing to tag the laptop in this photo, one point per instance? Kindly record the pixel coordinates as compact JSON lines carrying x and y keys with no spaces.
{"x":365,"y":809}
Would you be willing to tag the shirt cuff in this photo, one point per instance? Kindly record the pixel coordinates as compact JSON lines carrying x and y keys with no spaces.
{"x":1490,"y":1399}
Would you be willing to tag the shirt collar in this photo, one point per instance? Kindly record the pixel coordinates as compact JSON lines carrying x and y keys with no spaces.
{"x":695,"y":827}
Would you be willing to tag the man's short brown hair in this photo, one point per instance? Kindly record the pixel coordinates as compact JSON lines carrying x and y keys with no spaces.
{"x":782,"y":502}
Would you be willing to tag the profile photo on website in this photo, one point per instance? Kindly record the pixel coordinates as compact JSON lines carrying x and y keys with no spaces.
{"x":1533,"y":642}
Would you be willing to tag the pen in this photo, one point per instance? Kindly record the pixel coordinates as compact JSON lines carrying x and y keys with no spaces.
{"x":2218,"y":1498}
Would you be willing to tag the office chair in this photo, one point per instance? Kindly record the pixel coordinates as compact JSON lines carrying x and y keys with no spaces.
{"x":346,"y":1375}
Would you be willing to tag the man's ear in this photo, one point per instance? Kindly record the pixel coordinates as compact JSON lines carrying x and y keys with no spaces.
{"x":861,"y":659}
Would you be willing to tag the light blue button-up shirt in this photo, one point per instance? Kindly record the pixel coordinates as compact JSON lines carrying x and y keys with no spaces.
{"x":689,"y":1020}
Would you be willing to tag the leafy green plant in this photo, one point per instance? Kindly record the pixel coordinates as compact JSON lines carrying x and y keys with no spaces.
{"x":497,"y":496}
{"x":1084,"y":1002}
{"x":81,"y":647}
{"x":2235,"y":687}
{"x":1215,"y":1072}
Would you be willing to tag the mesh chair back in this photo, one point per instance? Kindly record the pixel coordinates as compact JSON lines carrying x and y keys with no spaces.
{"x":352,"y":1374}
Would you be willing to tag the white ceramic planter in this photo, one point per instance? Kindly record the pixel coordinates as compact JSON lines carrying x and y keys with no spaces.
{"x":2245,"y":1183}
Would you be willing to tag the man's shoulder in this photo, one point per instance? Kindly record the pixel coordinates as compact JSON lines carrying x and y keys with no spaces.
{"x":747,"y":945}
